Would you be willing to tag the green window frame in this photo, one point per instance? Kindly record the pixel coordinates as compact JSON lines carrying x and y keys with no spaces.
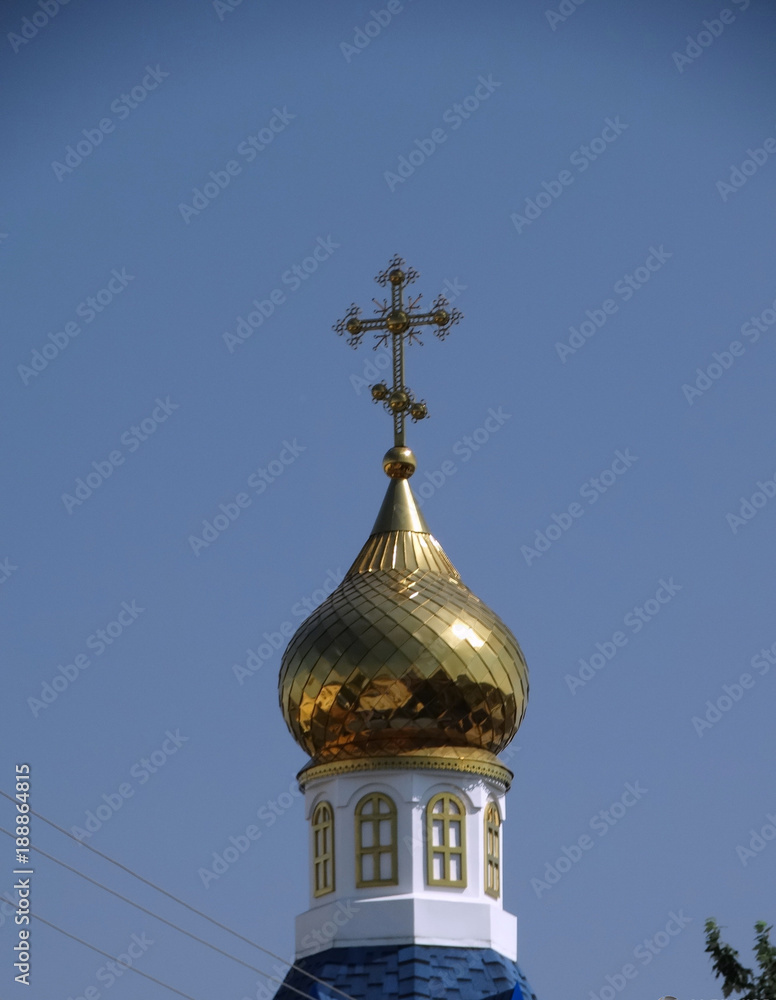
{"x":377,"y":859}
{"x":446,"y":841}
{"x":323,"y":849}
{"x":492,"y":850}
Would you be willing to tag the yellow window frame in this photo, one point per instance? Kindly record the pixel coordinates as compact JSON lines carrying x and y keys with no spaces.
{"x":323,"y":849}
{"x":446,"y":850}
{"x":376,"y":850}
{"x":492,"y":850}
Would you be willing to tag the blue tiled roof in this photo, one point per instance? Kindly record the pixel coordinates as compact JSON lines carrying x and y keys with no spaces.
{"x":408,"y":972}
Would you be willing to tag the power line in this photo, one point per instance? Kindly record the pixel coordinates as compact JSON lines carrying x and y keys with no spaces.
{"x":105,"y":954}
{"x":163,"y":920}
{"x":181,"y":902}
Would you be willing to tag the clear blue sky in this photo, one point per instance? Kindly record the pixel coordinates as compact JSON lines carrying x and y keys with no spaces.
{"x":642,"y":229}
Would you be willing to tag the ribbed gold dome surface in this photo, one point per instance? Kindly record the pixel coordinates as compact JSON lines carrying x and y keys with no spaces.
{"x":402,"y":656}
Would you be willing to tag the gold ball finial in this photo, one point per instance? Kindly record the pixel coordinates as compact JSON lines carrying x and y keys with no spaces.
{"x":379,"y":391}
{"x":398,"y":321}
{"x":418,"y":411}
{"x":354,"y":326}
{"x":396,"y":276}
{"x":399,"y":401}
{"x":399,"y":463}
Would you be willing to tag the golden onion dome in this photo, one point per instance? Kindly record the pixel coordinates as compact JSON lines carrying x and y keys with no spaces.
{"x":402,"y":658}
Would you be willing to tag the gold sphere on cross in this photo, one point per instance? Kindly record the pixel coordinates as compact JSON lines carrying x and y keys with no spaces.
{"x":396,"y":276}
{"x":353,"y":326}
{"x":441,"y":317}
{"x":399,"y":401}
{"x":418,"y":411}
{"x":379,"y":391}
{"x":398,"y":321}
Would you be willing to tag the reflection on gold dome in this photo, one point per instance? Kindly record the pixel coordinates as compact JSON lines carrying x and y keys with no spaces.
{"x":402,"y":657}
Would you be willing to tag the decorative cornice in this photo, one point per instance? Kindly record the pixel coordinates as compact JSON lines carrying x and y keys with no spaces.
{"x":481,"y":763}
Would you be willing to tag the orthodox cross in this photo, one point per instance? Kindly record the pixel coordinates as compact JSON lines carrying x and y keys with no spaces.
{"x":398,"y":321}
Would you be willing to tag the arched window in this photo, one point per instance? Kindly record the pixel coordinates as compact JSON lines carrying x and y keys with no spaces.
{"x":492,"y":850}
{"x":323,"y":849}
{"x":377,"y":860}
{"x":446,"y":840}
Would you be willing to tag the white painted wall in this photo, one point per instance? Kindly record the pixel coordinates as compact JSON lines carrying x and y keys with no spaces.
{"x":410,"y":912}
